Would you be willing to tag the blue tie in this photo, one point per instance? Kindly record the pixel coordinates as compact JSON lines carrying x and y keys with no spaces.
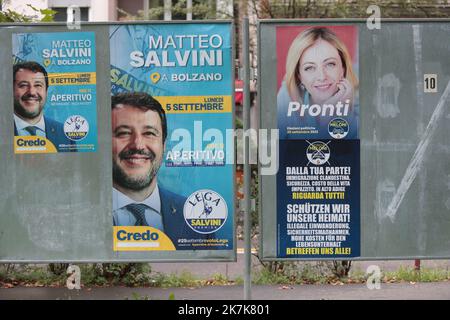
{"x":31,"y":130}
{"x":138,"y":211}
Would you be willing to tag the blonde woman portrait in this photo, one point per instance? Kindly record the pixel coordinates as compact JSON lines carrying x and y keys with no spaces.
{"x":319,"y":85}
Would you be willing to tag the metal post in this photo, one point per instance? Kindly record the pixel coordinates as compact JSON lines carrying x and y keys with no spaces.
{"x":189,"y":10}
{"x":146,"y":7}
{"x":167,"y":10}
{"x":417,"y":264}
{"x":247,"y":169}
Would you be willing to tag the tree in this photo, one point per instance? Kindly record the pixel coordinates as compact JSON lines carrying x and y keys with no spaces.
{"x":41,"y":15}
{"x":273,"y":9}
{"x":200,"y":10}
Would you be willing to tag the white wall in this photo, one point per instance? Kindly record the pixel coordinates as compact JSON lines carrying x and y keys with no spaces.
{"x":103,"y":10}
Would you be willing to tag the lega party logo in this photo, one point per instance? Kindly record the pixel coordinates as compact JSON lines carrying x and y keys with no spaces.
{"x":76,"y":128}
{"x":318,"y":152}
{"x":338,"y":128}
{"x":205,"y":211}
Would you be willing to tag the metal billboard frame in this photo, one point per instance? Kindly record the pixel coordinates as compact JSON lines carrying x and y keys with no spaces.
{"x":269,"y":254}
{"x":168,"y":256}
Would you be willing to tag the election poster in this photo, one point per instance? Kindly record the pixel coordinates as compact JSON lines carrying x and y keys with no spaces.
{"x":318,"y":182}
{"x":54,"y":90}
{"x":171,"y":106}
{"x":318,"y":199}
{"x":317,"y":81}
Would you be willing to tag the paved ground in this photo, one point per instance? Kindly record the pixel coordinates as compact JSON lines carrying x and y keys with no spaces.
{"x":402,"y":291}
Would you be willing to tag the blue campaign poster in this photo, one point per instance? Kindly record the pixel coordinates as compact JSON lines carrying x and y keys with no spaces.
{"x":318,"y":199}
{"x":55,"y":108}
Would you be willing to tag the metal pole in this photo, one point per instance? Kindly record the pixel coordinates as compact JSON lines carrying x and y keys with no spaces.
{"x":146,"y":7}
{"x":247,"y":169}
{"x":167,"y":10}
{"x":189,"y":10}
{"x":417,"y":264}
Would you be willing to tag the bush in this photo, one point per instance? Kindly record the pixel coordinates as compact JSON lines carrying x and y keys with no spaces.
{"x":130,"y":274}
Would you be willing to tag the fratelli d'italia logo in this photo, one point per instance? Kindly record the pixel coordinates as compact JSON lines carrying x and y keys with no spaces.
{"x":205,"y":211}
{"x":76,"y":128}
{"x":338,"y":128}
{"x":318,"y":152}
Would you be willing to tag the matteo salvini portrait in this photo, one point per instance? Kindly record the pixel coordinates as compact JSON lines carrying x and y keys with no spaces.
{"x":30,"y":86}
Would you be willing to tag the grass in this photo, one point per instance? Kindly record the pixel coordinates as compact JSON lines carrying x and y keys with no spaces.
{"x":140,"y":275}
{"x":30,"y":275}
{"x":266,"y":277}
{"x":137,"y":296}
{"x":411,"y":275}
{"x":184,"y":279}
{"x":305,"y":274}
{"x":91,"y":275}
{"x":107,"y":275}
{"x":310,"y":275}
